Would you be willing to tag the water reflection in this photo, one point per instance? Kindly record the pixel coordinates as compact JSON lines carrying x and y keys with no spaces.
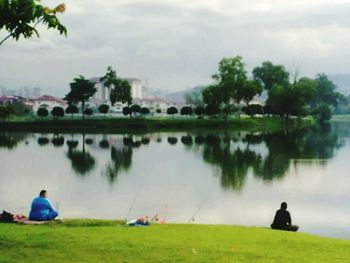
{"x":229,"y":170}
{"x":121,"y":161}
{"x":82,"y":161}
{"x":233,"y":154}
{"x":43,"y":141}
{"x":11,"y":140}
{"x":57,"y":140}
{"x":172,"y":140}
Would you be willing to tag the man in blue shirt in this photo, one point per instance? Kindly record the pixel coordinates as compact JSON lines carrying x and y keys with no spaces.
{"x":42,"y":209}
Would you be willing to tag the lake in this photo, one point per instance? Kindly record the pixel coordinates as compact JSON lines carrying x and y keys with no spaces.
{"x":211,"y":177}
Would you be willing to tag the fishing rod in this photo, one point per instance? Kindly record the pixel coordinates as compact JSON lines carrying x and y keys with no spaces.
{"x":132,"y":204}
{"x":156,"y":216}
{"x":192,"y":218}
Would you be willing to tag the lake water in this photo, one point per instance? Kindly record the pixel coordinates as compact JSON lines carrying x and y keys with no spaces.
{"x":215,"y":177}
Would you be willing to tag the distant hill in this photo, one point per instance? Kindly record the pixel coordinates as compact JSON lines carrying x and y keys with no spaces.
{"x":175,"y":97}
{"x":342,"y":81}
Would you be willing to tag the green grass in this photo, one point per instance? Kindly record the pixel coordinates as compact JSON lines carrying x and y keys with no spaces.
{"x":266,"y":124}
{"x":107,"y":241}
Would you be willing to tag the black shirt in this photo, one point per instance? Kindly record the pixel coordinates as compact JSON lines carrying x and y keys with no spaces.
{"x":282,"y":219}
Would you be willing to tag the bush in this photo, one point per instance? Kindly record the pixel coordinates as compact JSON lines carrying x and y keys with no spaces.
{"x":135,"y":108}
{"x":172,"y":111}
{"x":199,"y":110}
{"x":212,"y":110}
{"x":253,"y":109}
{"x":145,"y":110}
{"x":126,"y":111}
{"x":159,"y":111}
{"x":268,"y":110}
{"x":42,"y":112}
{"x":186,"y":110}
{"x":72,"y":109}
{"x":103,"y":108}
{"x":88,"y":111}
{"x":57,"y":112}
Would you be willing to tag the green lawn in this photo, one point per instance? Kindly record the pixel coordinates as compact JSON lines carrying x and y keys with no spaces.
{"x":106,"y":241}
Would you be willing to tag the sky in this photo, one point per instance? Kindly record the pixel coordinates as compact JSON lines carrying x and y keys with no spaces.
{"x":177,"y":44}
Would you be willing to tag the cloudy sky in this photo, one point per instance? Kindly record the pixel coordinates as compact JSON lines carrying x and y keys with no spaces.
{"x":176,"y":44}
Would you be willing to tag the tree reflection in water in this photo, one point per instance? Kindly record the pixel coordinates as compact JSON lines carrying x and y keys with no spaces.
{"x":82,"y":161}
{"x":10,"y":140}
{"x":57,"y":140}
{"x":233,"y":154}
{"x":121,"y":161}
{"x":233,"y":163}
{"x":235,"y":159}
{"x":43,"y":141}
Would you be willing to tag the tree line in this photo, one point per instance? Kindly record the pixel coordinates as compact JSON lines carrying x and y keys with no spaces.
{"x":286,"y":96}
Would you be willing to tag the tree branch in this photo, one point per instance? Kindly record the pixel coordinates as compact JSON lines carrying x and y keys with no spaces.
{"x":2,"y":41}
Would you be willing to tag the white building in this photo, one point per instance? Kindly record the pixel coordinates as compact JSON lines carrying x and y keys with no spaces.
{"x":102,"y":93}
{"x":48,"y":102}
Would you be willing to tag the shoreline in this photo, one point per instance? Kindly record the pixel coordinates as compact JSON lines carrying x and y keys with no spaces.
{"x":102,"y":125}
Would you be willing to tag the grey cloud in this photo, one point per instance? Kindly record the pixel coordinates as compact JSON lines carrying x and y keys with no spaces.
{"x":176,"y":44}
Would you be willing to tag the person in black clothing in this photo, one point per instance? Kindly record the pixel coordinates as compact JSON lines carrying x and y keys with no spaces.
{"x":282,"y":220}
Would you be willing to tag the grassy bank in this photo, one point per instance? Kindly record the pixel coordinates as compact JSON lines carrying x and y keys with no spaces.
{"x":106,"y":241}
{"x":341,"y":118}
{"x":266,"y":124}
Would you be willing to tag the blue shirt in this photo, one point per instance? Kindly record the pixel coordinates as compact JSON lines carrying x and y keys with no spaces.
{"x":41,"y":209}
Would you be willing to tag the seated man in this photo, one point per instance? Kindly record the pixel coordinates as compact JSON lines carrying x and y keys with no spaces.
{"x":282,"y":220}
{"x":42,"y":209}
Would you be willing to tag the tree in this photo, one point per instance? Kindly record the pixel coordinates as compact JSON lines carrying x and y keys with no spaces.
{"x":291,"y":99}
{"x":20,"y":109}
{"x":172,"y":110}
{"x":81,"y":91}
{"x":326,"y":91}
{"x":103,"y":108}
{"x":269,"y":75}
{"x":21,"y":17}
{"x":119,"y":89}
{"x":5,"y":112}
{"x":212,"y":95}
{"x":145,"y":110}
{"x":231,"y":77}
{"x":72,"y":109}
{"x":57,"y":112}
{"x":199,"y":110}
{"x":194,"y":96}
{"x":121,"y":92}
{"x":186,"y":110}
{"x":42,"y":112}
{"x":323,"y":112}
{"x":248,"y":91}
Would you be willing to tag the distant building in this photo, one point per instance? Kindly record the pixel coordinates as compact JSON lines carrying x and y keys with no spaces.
{"x":6,"y":100}
{"x":102,"y":93}
{"x":155,"y":103}
{"x":48,"y":102}
{"x":24,"y":92}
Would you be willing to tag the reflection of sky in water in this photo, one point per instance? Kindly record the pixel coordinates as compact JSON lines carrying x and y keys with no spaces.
{"x":175,"y":182}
